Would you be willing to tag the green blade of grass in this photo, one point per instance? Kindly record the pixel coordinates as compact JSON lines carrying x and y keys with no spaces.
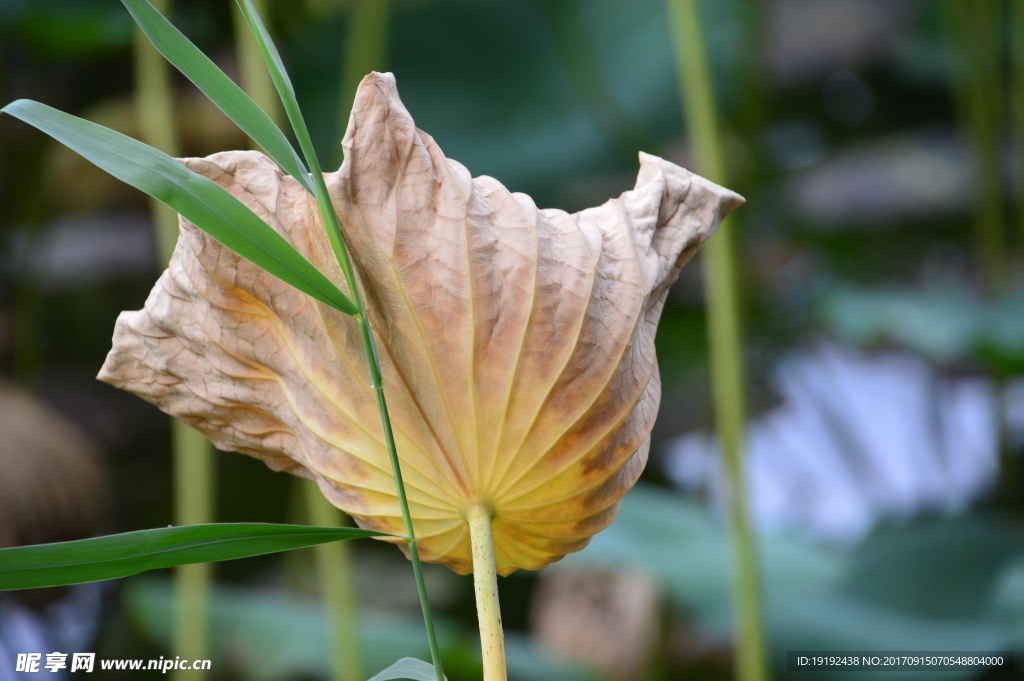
{"x":330,"y":219}
{"x":283,"y":83}
{"x":200,"y":200}
{"x":216,"y":85}
{"x":272,"y":58}
{"x":121,"y":555}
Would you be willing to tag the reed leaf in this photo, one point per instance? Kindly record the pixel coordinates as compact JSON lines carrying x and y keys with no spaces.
{"x":216,"y":85}
{"x":333,"y":228}
{"x":278,"y":73}
{"x":198,"y":199}
{"x":121,"y":555}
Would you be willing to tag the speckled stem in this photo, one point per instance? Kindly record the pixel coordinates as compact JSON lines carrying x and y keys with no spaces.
{"x":485,"y":580}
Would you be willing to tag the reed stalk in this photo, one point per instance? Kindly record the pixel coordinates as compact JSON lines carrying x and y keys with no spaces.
{"x":334,"y":560}
{"x":28,"y":356}
{"x":973,"y":31}
{"x":337,"y":585}
{"x":1017,"y":94}
{"x":366,"y":44}
{"x":192,"y":455}
{"x":154,"y":105}
{"x":485,"y":583}
{"x":334,"y":235}
{"x":366,"y":50}
{"x":193,"y":505}
{"x":724,"y":341}
{"x":330,"y":219}
{"x":252,"y":72}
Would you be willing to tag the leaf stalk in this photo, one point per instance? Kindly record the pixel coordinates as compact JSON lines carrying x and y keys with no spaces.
{"x":485,"y":583}
{"x":193,"y":505}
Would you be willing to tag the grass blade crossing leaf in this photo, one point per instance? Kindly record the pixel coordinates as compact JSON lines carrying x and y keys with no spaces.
{"x":291,"y":106}
{"x":407,"y":668}
{"x":216,"y":85}
{"x":330,"y":219}
{"x":200,"y":200}
{"x":120,"y":555}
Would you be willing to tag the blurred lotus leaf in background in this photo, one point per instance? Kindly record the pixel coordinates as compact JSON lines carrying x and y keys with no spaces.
{"x":268,"y":636}
{"x":942,"y":584}
{"x":944,"y":323}
{"x":53,"y":488}
{"x":859,"y":440}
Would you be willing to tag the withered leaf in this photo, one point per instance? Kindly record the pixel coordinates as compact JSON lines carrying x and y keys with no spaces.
{"x":517,"y":344}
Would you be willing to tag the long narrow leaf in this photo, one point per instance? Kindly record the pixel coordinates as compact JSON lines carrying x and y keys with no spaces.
{"x":283,"y":83}
{"x":277,"y":71}
{"x":408,"y":668}
{"x":120,"y":555}
{"x":202,"y":201}
{"x":291,"y":106}
{"x":231,"y":99}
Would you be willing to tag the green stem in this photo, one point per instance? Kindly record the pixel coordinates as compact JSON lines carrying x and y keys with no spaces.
{"x":330,"y":220}
{"x":485,"y":583}
{"x":334,"y":565}
{"x":255,"y":79}
{"x":1017,"y":93}
{"x":972,"y":29}
{"x":366,"y":42}
{"x":725,"y":345}
{"x":751,"y":112}
{"x":333,"y":561}
{"x":193,"y":505}
{"x":193,"y":460}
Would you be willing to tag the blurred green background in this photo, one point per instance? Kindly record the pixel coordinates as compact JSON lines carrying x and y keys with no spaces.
{"x":879,"y":145}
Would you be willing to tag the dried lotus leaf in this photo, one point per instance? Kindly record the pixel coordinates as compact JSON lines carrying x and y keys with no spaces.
{"x":517,"y":344}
